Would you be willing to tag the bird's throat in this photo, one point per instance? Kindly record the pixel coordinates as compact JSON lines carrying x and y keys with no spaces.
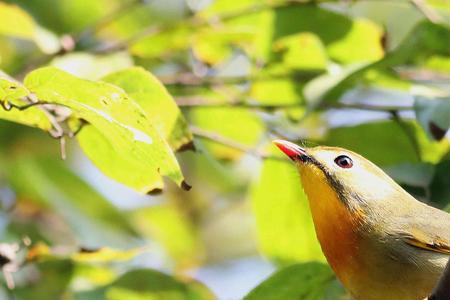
{"x":336,"y":226}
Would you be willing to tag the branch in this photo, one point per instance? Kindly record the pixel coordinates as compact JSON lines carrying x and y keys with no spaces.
{"x":442,"y":290}
{"x":220,"y":139}
{"x":194,"y":101}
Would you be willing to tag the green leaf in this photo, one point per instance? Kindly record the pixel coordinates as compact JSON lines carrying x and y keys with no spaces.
{"x":156,"y":102}
{"x":164,"y":222}
{"x":41,"y":252}
{"x":235,"y":123}
{"x":158,"y":45}
{"x":426,"y":39}
{"x":433,"y":115}
{"x":440,"y":186}
{"x":94,"y":219}
{"x":15,"y":22}
{"x":417,"y":175}
{"x":302,"y":51}
{"x":12,"y":92}
{"x":149,"y":284}
{"x":309,"y":281}
{"x":51,"y":282}
{"x":124,"y":126}
{"x":377,"y":140}
{"x":284,"y":223}
{"x":345,"y":40}
{"x":275,"y":92}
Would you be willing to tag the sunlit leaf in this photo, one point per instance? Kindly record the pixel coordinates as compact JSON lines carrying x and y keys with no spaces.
{"x":41,"y":251}
{"x":302,"y":51}
{"x":425,"y":40}
{"x":156,"y":102}
{"x":158,"y":45}
{"x":15,"y":22}
{"x":12,"y":92}
{"x":284,"y":223}
{"x":312,"y":281}
{"x":277,"y":92}
{"x":121,"y":122}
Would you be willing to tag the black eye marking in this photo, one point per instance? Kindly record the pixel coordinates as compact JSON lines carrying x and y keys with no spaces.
{"x":344,"y":161}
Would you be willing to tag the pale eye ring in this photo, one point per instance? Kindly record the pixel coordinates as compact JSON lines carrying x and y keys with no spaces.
{"x":344,"y":161}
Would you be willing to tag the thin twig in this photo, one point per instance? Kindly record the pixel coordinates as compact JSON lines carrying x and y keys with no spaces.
{"x":428,"y":12}
{"x":220,"y":139}
{"x":194,"y":101}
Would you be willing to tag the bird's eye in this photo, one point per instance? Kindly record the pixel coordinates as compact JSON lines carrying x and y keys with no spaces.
{"x":344,"y":161}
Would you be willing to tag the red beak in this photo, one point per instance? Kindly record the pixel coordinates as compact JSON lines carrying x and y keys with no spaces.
{"x":292,"y":150}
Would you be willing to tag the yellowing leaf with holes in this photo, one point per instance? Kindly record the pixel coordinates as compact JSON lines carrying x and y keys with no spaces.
{"x":118,"y":119}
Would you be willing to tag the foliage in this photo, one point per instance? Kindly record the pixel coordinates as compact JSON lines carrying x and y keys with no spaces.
{"x":136,"y":92}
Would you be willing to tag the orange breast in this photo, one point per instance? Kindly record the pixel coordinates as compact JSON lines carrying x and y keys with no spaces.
{"x":335,"y":224}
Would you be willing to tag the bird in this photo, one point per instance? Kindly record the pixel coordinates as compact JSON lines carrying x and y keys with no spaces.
{"x":379,"y":240}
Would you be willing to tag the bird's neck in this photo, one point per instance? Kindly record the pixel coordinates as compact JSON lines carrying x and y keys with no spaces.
{"x":336,"y":226}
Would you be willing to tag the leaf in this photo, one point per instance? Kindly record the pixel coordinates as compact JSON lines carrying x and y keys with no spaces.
{"x":149,"y":284}
{"x":235,"y":123}
{"x":15,"y":22}
{"x":417,"y":174}
{"x":433,"y":115}
{"x":440,"y":185}
{"x":163,"y":223}
{"x":119,"y":120}
{"x":425,"y":39}
{"x":345,"y":40}
{"x":275,"y":92}
{"x":51,"y":282}
{"x":216,"y":46}
{"x":154,"y":99}
{"x":41,"y":252}
{"x":12,"y":92}
{"x":311,"y":281}
{"x":302,"y":51}
{"x":377,"y":140}
{"x":94,"y":219}
{"x":158,"y":45}
{"x":284,"y":223}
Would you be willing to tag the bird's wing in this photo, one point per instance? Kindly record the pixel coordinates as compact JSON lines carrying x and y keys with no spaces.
{"x":428,"y":239}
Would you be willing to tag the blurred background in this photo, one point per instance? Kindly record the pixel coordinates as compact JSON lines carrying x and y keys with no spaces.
{"x":370,"y":76}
